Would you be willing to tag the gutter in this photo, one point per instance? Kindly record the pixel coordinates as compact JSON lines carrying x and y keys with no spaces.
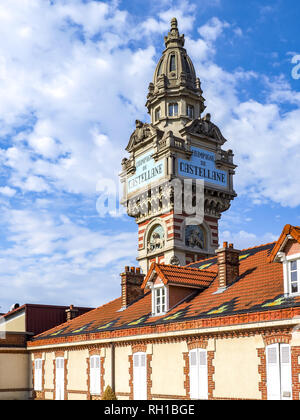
{"x":184,"y":333}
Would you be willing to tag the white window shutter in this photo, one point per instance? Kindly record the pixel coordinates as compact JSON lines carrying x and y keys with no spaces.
{"x":38,"y":374}
{"x":273,"y":372}
{"x":140,"y":376}
{"x":95,"y":387}
{"x":203,"y":375}
{"x":60,"y":379}
{"x":286,"y":372}
{"x":194,"y":374}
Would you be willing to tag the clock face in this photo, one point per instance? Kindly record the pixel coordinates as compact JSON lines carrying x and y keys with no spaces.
{"x":194,"y":237}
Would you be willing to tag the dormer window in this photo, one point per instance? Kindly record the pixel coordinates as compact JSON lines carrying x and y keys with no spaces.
{"x":159,"y":304}
{"x":294,"y":276}
{"x":173,"y":110}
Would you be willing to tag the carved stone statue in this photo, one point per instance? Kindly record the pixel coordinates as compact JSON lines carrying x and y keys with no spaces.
{"x":174,"y":260}
{"x":156,"y":240}
{"x":141,"y":133}
{"x":194,"y":237}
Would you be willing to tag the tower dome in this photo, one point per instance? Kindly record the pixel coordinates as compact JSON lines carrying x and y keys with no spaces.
{"x":175,"y":95}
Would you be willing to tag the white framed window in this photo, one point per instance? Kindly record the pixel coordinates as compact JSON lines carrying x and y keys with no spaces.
{"x":173,"y":110}
{"x":38,"y":374}
{"x":60,"y":379}
{"x":279,"y":372}
{"x":291,"y":272}
{"x":198,"y":374}
{"x":95,"y":375}
{"x":159,"y":300}
{"x":190,"y":111}
{"x":294,"y":276}
{"x":140,"y":376}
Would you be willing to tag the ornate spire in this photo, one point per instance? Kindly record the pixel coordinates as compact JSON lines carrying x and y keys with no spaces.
{"x":174,"y":38}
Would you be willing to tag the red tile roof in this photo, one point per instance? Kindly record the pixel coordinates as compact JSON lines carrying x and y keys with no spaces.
{"x":183,"y":276}
{"x":259,"y":290}
{"x":293,"y":231}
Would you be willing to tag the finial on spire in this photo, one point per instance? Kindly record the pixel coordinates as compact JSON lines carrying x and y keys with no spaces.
{"x":173,"y":35}
{"x":174,"y":24}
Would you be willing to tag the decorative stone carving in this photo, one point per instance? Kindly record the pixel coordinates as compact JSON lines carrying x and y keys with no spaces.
{"x":174,"y":260}
{"x":142,"y":132}
{"x":194,"y":237}
{"x":157,"y":239}
{"x":205,"y":127}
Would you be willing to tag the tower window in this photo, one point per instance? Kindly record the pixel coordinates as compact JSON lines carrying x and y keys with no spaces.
{"x":157,"y":114}
{"x":173,"y":110}
{"x":159,"y":68}
{"x":190,"y":111}
{"x":173,"y":63}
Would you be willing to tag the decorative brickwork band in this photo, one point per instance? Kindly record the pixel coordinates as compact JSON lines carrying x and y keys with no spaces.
{"x":139,"y":348}
{"x":199,"y":343}
{"x":280,"y":337}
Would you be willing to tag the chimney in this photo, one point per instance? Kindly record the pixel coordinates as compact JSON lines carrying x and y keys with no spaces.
{"x":131,"y":282}
{"x":71,"y":313}
{"x":228,"y":265}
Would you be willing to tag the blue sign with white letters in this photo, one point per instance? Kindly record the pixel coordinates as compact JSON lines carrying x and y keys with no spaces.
{"x":147,"y":171}
{"x":202,"y":166}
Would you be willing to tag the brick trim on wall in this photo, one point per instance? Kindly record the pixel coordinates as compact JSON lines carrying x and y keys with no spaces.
{"x":277,"y":337}
{"x":295,"y":354}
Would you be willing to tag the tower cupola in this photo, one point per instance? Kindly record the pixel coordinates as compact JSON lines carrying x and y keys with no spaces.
{"x":175,"y":95}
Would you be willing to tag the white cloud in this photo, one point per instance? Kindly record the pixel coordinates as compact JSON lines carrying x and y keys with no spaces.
{"x":244,"y":240}
{"x":9,"y":192}
{"x":213,"y":29}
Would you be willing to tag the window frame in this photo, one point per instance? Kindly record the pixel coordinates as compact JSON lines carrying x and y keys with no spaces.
{"x":157,"y":114}
{"x":38,"y":375}
{"x":164,"y":307}
{"x":191,"y":107}
{"x":171,"y":106}
{"x":286,"y":260}
{"x":95,"y":390}
{"x":279,"y":372}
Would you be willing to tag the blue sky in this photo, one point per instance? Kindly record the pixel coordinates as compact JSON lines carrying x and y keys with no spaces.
{"x":73,"y":79}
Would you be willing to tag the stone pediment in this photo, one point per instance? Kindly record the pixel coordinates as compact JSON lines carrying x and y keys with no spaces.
{"x":204,"y":127}
{"x":142,"y":134}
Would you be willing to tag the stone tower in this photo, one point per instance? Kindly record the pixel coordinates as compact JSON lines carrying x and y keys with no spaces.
{"x":178,"y":144}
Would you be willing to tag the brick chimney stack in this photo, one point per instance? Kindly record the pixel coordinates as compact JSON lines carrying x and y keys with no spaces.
{"x":131,"y":282}
{"x":228,"y":265}
{"x":71,"y":313}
